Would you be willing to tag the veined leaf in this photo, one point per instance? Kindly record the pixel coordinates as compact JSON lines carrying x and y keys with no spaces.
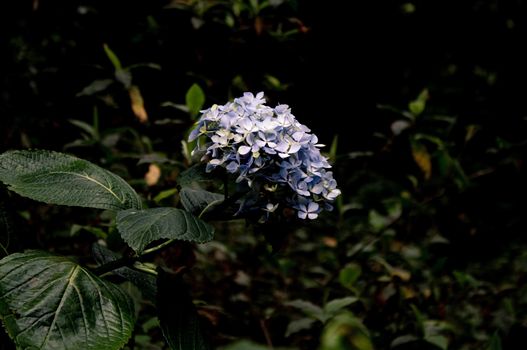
{"x":59,"y":178}
{"x":177,"y":314}
{"x":50,"y":302}
{"x":141,"y":227}
{"x":7,"y":231}
{"x":193,"y":176}
{"x":195,"y":201}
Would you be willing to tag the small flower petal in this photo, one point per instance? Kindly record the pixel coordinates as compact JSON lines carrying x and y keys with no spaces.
{"x":244,"y":150}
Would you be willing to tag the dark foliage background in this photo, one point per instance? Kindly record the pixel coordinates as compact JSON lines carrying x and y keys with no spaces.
{"x":427,"y":100}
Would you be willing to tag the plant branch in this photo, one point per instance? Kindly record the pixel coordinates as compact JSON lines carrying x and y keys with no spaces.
{"x":128,"y":261}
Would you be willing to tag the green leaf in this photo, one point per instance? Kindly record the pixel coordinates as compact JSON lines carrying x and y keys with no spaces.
{"x":95,"y":87}
{"x":195,"y":98}
{"x":308,"y":308}
{"x":7,"y":227}
{"x":124,"y":77}
{"x":349,"y":275}
{"x":418,"y":106}
{"x":420,"y":319}
{"x":403,"y":339}
{"x":59,"y":178}
{"x":86,"y":127}
{"x":495,"y":342}
{"x":113,"y":58}
{"x":333,"y":148}
{"x":50,"y":302}
{"x":439,"y":341}
{"x":345,"y":332}
{"x":195,"y":201}
{"x":164,"y":195}
{"x":178,"y":316}
{"x":334,"y":306}
{"x":299,"y":325}
{"x":460,"y":177}
{"x":193,"y":176}
{"x":141,"y":227}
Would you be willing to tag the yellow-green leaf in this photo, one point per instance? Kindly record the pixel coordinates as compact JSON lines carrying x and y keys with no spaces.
{"x":138,"y":104}
{"x":422,"y":158}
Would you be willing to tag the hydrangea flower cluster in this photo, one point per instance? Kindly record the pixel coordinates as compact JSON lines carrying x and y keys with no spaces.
{"x":270,"y":151}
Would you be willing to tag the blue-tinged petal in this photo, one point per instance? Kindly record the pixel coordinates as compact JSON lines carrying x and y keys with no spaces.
{"x":194,"y":134}
{"x":318,"y":188}
{"x":282,"y":147}
{"x":312,"y":207}
{"x":294,"y":148}
{"x":232,"y":167}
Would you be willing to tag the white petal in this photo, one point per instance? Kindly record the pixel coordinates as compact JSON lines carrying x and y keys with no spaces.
{"x":244,"y":150}
{"x":312,"y":207}
{"x":294,"y":148}
{"x":298,"y":135}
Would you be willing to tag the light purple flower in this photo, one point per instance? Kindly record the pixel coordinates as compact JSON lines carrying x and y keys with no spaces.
{"x":267,"y":148}
{"x":309,"y":210}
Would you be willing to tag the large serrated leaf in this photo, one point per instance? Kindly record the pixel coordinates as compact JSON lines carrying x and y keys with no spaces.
{"x":195,"y":201}
{"x":50,"y":302}
{"x":194,"y":176}
{"x":178,"y":316}
{"x":139,"y":228}
{"x":59,"y":178}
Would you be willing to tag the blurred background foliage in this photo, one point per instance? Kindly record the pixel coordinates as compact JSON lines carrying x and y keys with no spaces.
{"x":421,"y":105}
